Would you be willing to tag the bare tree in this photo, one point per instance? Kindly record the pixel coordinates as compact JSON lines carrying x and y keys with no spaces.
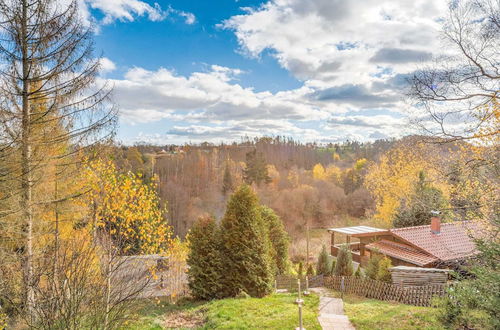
{"x":51,"y":110}
{"x":458,"y":94}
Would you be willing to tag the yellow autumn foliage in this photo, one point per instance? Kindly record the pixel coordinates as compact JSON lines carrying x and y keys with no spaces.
{"x":127,"y":208}
{"x":393,"y":178}
{"x":319,"y":172}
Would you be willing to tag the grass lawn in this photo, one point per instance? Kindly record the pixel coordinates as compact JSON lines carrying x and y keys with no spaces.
{"x":373,"y":314}
{"x":277,"y":311}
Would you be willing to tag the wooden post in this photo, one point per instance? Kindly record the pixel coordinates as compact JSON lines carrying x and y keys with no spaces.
{"x":332,"y":243}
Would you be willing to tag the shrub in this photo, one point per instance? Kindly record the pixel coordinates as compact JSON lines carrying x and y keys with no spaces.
{"x":358,"y":272}
{"x":300,"y":269}
{"x":204,"y":259}
{"x":343,"y":266}
{"x":334,"y":264}
{"x":310,"y":270}
{"x":371,"y":269}
{"x":245,"y":245}
{"x":323,"y":266}
{"x":383,"y":273}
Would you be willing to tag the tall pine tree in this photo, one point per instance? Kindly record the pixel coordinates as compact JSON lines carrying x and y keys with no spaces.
{"x":204,"y":260}
{"x":278,"y":238}
{"x":245,"y":246}
{"x":256,"y":168}
{"x":227,"y":181}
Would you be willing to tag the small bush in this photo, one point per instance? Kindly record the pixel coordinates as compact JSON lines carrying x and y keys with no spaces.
{"x":334,"y":264}
{"x":343,"y":266}
{"x":323,"y":266}
{"x":383,"y":273}
{"x":310,"y":270}
{"x":358,"y":272}
{"x":371,"y":269}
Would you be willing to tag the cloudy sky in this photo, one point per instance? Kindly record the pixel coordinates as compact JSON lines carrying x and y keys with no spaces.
{"x":316,"y":70}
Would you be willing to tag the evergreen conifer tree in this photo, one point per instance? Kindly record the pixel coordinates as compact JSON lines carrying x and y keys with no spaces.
{"x":246,"y":265}
{"x":371,"y":270}
{"x":383,"y":273}
{"x":227,"y":181}
{"x":343,"y":266}
{"x":256,"y":168}
{"x":278,"y":238}
{"x":310,"y":270}
{"x":204,"y":260}
{"x":417,"y":211}
{"x":323,"y":266}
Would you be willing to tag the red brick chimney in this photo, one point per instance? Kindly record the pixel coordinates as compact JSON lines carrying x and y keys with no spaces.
{"x":435,"y":223}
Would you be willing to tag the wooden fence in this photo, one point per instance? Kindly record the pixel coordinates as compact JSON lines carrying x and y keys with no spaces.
{"x":418,"y":295}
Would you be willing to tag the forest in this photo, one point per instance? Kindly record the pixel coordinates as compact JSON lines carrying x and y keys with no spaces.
{"x":87,"y":224}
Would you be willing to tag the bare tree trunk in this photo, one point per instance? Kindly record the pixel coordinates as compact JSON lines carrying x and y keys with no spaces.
{"x":108,"y":286}
{"x":26,"y":168}
{"x":56,"y":231}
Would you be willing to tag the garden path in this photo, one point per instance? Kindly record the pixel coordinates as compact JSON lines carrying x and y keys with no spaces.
{"x":331,"y":312}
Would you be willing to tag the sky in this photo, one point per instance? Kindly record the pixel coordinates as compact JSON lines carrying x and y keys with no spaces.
{"x":190,"y":71}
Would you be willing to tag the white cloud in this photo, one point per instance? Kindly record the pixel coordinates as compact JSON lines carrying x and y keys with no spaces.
{"x":352,"y":56}
{"x":129,"y":10}
{"x":107,"y":65}
{"x":126,"y":10}
{"x":214,"y":95}
{"x":338,"y":44}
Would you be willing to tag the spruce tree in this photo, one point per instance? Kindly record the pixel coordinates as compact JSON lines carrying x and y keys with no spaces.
{"x":278,"y":238}
{"x":417,"y":211}
{"x":323,"y":266}
{"x":371,"y":270}
{"x":204,"y":259}
{"x":383,"y":273}
{"x":256,"y":168}
{"x":227,"y":181}
{"x":245,"y":247}
{"x":343,"y":266}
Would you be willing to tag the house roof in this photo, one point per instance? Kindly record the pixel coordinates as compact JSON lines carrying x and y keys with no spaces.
{"x":402,"y":252}
{"x":453,"y":241}
{"x":358,"y":231}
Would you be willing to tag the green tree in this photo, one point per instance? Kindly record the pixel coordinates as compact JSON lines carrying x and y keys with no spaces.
{"x":256,"y":168}
{"x":204,"y":273}
{"x":474,"y":302}
{"x":227,"y":181}
{"x":278,"y":238}
{"x":310,"y":270}
{"x":383,"y":273}
{"x":357,"y":273}
{"x":323,"y":266}
{"x":371,"y":270}
{"x":246,"y":265}
{"x":300,"y":269}
{"x":332,"y":269}
{"x":343,"y":266}
{"x":416,"y":212}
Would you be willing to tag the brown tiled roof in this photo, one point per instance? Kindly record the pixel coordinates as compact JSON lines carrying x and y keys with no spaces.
{"x":402,"y":252}
{"x":453,"y":242}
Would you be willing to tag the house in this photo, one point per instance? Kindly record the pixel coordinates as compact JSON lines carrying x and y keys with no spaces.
{"x":433,"y":245}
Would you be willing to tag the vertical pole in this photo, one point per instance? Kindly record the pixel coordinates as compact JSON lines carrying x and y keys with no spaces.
{"x":298,"y":282}
{"x":300,"y":317}
{"x":307,"y":247}
{"x":342,"y":287}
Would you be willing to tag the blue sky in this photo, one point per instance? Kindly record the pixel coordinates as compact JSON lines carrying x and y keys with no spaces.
{"x":317,"y":70}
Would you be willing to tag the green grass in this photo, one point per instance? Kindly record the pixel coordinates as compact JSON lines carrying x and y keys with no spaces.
{"x":369,"y":314}
{"x":277,"y":311}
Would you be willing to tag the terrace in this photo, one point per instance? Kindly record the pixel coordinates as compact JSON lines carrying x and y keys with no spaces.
{"x":361,"y":235}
